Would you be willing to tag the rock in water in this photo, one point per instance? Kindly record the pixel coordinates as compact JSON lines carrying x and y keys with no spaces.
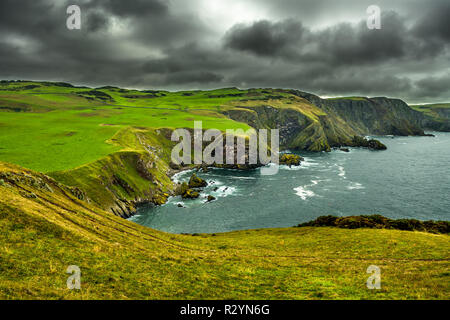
{"x":376,"y":145}
{"x":196,"y":182}
{"x":371,"y":144}
{"x":290,"y":159}
{"x":211,"y":198}
{"x":190,"y":194}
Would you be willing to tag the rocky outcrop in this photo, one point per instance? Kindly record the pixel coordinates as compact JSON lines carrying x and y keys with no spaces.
{"x":290,"y":160}
{"x":187,"y":193}
{"x":371,"y":144}
{"x":197,"y":182}
{"x":296,"y":129}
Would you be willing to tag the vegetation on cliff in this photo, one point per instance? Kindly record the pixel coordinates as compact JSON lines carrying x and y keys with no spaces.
{"x":379,"y":222}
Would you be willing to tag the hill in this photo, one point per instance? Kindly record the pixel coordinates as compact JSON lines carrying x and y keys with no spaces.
{"x":45,"y":228}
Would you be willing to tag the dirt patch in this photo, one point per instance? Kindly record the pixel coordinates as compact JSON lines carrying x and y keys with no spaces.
{"x":89,"y":114}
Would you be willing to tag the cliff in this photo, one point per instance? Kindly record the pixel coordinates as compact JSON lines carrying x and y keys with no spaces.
{"x":435,"y":116}
{"x":307,"y":122}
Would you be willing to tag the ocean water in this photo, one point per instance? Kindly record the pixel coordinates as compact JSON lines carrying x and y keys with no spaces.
{"x":409,"y":180}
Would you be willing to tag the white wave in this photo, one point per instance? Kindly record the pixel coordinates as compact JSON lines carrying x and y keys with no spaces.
{"x":355,"y":186}
{"x":178,"y":177}
{"x":293,"y":168}
{"x":304,"y":193}
{"x":308,"y":162}
{"x":241,"y":178}
{"x":224,"y":191}
{"x":341,"y":172}
{"x":214,"y":182}
{"x":303,"y":165}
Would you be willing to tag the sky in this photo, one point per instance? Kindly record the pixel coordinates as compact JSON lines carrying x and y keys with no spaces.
{"x":319,"y":46}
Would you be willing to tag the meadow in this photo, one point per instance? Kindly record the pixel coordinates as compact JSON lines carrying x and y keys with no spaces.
{"x":52,"y":128}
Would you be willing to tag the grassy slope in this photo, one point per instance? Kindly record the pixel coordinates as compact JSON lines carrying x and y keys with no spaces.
{"x":431,"y":109}
{"x":40,"y":237}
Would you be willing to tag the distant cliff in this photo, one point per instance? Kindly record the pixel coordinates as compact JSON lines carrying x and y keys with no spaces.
{"x":307,"y":122}
{"x":435,"y":116}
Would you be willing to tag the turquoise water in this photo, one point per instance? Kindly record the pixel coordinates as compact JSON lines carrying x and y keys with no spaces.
{"x":409,"y":180}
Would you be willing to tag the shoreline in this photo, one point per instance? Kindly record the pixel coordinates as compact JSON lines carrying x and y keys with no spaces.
{"x":336,"y":158}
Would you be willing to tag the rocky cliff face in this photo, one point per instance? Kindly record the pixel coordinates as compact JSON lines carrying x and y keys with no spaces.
{"x":336,"y":123}
{"x":437,"y":119}
{"x":381,"y":116}
{"x":121,"y":181}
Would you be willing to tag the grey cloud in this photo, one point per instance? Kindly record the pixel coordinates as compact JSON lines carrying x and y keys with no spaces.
{"x":317,"y":46}
{"x":433,"y":86}
{"x":265,"y":38}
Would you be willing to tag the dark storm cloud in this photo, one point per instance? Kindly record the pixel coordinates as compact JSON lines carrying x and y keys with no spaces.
{"x":318,"y":46}
{"x":265,"y":38}
{"x":433,"y":86}
{"x":343,"y":43}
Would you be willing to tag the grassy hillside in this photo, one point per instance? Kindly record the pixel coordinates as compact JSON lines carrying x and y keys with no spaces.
{"x":432,"y":110}
{"x":45,"y":228}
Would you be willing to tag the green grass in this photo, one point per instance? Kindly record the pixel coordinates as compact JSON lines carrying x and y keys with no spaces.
{"x":65,"y":131}
{"x":40,"y":237}
{"x":349,"y":98}
{"x":432,"y":106}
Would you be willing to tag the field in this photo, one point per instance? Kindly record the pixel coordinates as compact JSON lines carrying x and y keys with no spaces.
{"x":52,"y":128}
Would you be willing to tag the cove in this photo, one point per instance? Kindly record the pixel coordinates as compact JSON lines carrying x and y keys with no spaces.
{"x":409,"y":180}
